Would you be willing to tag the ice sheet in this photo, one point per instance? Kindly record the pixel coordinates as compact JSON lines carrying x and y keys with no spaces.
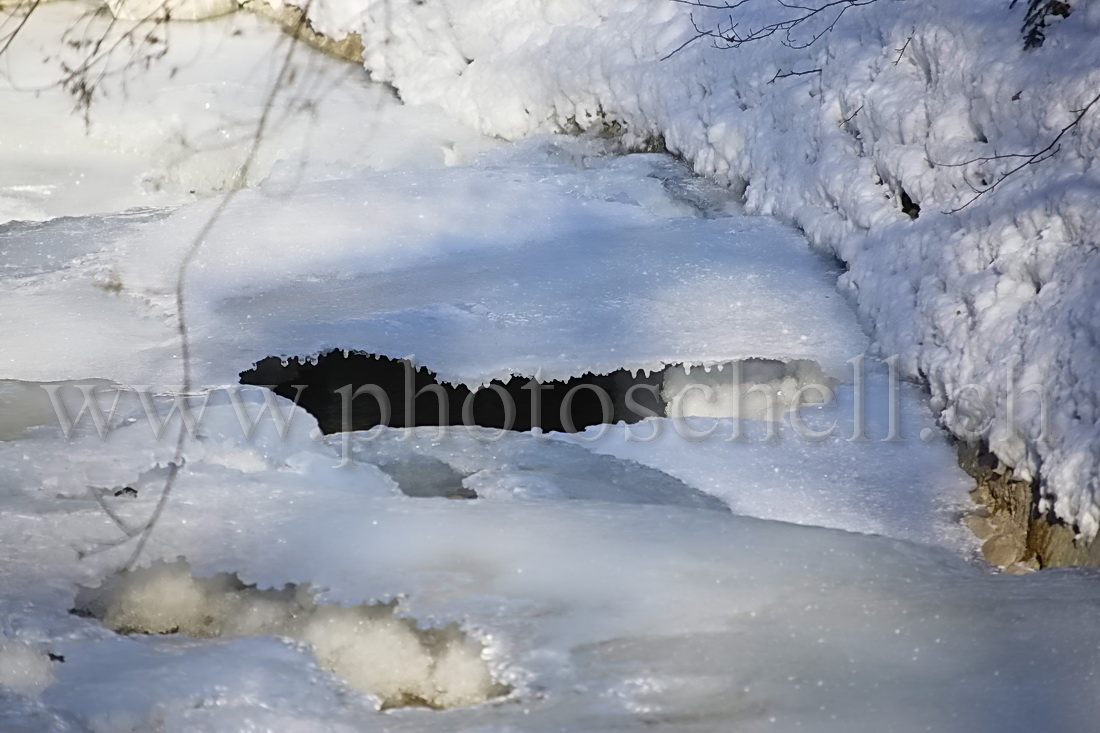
{"x":599,"y":613}
{"x":477,"y":272}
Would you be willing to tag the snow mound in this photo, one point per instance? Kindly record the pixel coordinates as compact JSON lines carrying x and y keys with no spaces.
{"x":372,"y":649}
{"x":24,"y":668}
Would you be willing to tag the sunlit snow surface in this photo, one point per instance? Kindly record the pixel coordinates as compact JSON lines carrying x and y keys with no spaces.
{"x":600,"y":613}
{"x":550,"y":257}
{"x":677,"y":583}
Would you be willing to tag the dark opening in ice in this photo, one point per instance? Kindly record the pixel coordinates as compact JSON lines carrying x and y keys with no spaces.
{"x":360,"y":391}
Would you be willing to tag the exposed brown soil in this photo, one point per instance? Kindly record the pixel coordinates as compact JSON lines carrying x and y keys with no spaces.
{"x":1016,"y":535}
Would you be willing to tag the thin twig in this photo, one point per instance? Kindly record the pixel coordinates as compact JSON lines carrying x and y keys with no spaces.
{"x":1035,"y":158}
{"x":785,"y":74}
{"x":11,"y":37}
{"x":729,"y":36}
{"x":723,"y":6}
{"x":181,"y":280}
{"x":118,"y":520}
{"x":99,"y":54}
{"x":901,"y":51}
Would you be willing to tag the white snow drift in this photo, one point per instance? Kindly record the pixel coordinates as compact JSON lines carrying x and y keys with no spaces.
{"x":24,"y":667}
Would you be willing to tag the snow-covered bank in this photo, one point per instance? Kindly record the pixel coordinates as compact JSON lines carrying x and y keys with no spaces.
{"x":982,"y":303}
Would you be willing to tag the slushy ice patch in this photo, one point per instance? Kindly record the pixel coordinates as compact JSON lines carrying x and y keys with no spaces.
{"x":360,"y":391}
{"x":26,"y":405}
{"x":755,"y":389}
{"x":368,"y":646}
{"x":424,"y":477}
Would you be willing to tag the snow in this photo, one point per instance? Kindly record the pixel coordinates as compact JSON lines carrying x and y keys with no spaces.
{"x":390,"y":274}
{"x":999,"y":297}
{"x":24,"y":668}
{"x":757,"y":389}
{"x":853,"y":463}
{"x":139,"y":10}
{"x":721,"y":567}
{"x":595,"y":612}
{"x":179,"y":129}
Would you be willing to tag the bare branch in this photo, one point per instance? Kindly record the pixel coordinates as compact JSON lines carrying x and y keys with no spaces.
{"x":81,"y":80}
{"x":785,"y":74}
{"x":730,"y":35}
{"x":22,"y":22}
{"x":723,"y":6}
{"x":1035,"y":158}
{"x":114,"y":516}
{"x":99,"y":47}
{"x":901,"y":51}
{"x":182,"y":329}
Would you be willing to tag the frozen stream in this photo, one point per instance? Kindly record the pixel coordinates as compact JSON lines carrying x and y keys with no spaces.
{"x":712,"y":572}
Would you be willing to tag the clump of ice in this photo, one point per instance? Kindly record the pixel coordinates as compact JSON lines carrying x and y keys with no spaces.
{"x":372,"y":649}
{"x":24,"y":668}
{"x":457,"y":463}
{"x":755,"y":389}
{"x":403,"y":665}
